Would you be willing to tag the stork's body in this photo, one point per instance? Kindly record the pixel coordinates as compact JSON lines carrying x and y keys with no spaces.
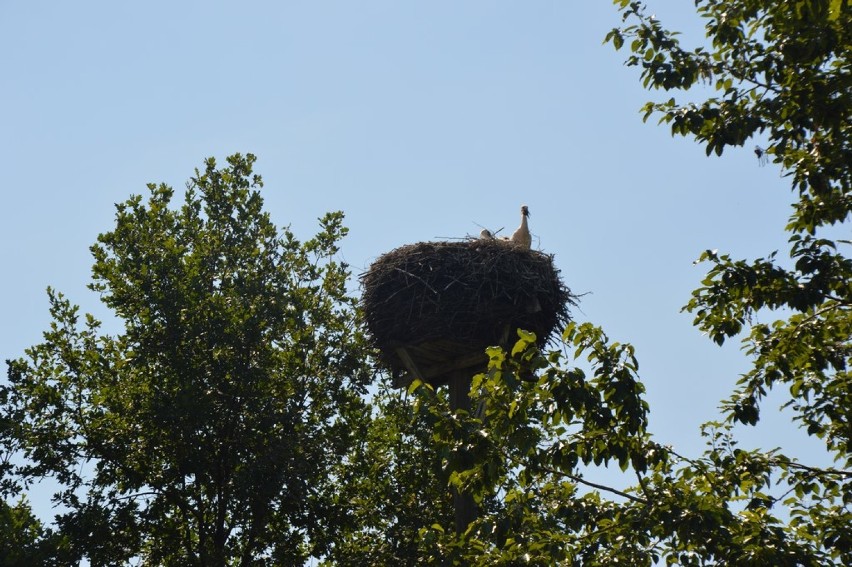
{"x":522,"y":237}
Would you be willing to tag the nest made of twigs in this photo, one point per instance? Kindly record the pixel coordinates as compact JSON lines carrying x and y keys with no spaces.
{"x":466,"y":293}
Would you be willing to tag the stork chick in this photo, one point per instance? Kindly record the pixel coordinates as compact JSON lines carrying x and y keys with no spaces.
{"x":486,"y":234}
{"x":522,"y":236}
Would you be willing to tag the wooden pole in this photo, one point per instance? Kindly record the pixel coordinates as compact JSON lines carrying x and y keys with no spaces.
{"x":458,"y":373}
{"x":465,"y":507}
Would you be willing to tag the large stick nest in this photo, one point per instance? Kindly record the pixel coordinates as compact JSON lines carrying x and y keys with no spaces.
{"x":466,"y":293}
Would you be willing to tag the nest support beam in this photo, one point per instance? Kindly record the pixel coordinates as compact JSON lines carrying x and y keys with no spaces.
{"x":435,"y":372}
{"x":465,"y":507}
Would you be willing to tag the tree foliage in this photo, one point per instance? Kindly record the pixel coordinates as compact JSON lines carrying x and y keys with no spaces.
{"x":782,"y":78}
{"x":782,"y":71}
{"x":23,"y":539}
{"x":391,"y":485}
{"x":205,"y":431}
{"x":225,"y":425}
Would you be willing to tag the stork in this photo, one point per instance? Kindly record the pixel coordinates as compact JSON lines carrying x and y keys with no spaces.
{"x":522,"y":236}
{"x":485,"y":234}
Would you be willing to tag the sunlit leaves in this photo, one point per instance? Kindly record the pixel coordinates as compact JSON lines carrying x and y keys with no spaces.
{"x":779,"y":71}
{"x":205,"y":431}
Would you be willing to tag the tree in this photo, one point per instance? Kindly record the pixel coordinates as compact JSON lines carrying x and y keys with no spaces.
{"x":392,"y":484}
{"x":206,"y":431}
{"x":781,"y":71}
{"x":23,"y":539}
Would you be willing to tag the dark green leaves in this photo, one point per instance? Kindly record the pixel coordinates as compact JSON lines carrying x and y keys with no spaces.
{"x":206,"y":430}
{"x":781,"y":70}
{"x":530,"y":450}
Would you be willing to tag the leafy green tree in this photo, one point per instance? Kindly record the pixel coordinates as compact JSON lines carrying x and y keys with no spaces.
{"x":782,"y":71}
{"x":392,"y":484}
{"x":23,"y":540}
{"x":207,"y":430}
{"x":783,"y":79}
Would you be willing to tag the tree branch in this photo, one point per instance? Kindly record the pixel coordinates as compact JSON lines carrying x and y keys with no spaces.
{"x":576,"y":478}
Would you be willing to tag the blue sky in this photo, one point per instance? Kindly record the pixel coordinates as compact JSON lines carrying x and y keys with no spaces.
{"x":420,"y":120}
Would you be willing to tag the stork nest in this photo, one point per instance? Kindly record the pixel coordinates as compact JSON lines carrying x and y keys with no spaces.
{"x":465,"y":292}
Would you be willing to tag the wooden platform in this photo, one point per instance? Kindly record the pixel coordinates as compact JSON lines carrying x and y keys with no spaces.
{"x":439,"y":361}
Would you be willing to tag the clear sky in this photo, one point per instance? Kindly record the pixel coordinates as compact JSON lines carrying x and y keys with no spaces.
{"x":419,"y":120}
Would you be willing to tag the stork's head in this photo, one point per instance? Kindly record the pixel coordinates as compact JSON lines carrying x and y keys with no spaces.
{"x":525,"y":211}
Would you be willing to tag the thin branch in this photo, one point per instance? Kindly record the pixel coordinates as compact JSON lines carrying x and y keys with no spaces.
{"x":421,"y":280}
{"x":137,"y":495}
{"x":577,"y":479}
{"x":817,"y":313}
{"x":814,"y":470}
{"x":643,"y":485}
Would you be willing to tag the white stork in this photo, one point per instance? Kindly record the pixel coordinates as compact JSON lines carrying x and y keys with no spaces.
{"x":522,"y":236}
